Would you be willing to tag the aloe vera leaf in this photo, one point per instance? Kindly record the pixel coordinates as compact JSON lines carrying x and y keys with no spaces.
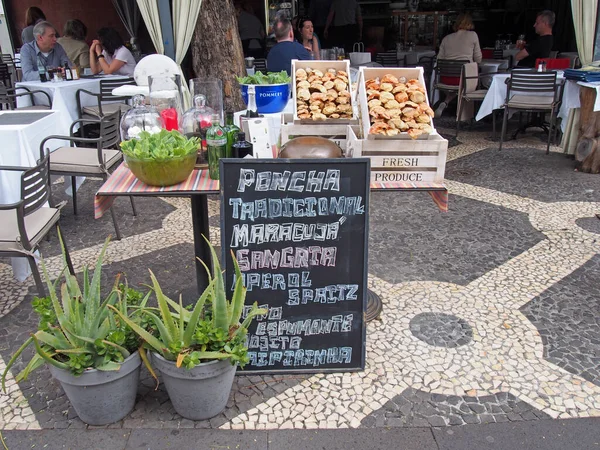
{"x":26,"y":344}
{"x":93,"y":302}
{"x":164,"y":309}
{"x":180,"y":359}
{"x":46,"y":357}
{"x":186,"y":314}
{"x":100,"y":314}
{"x":146,"y":362}
{"x":56,"y":341}
{"x":181,"y":322}
{"x":75,"y":351}
{"x":152,"y":341}
{"x":121,"y":349}
{"x":35,"y":362}
{"x":213,"y":355}
{"x":239,"y":294}
{"x":195,"y":317}
{"x":110,"y":366}
{"x":255,"y":311}
{"x":219,"y":304}
{"x":162,"y":329}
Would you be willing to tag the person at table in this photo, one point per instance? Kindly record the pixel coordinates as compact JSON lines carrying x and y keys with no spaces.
{"x":44,"y":50}
{"x":251,"y":30}
{"x":33,"y":15}
{"x":108,"y":54}
{"x":318,"y":10}
{"x":74,"y":43}
{"x":347,"y":24}
{"x":281,"y":55}
{"x":305,"y":35}
{"x":541,"y":47}
{"x":463,"y":44}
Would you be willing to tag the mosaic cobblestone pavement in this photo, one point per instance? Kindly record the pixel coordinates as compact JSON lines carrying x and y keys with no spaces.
{"x":490,"y":311}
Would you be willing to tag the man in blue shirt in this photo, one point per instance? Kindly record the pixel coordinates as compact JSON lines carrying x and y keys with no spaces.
{"x":281,"y":55}
{"x":43,"y":50}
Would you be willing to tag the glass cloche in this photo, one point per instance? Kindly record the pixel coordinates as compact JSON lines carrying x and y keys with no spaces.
{"x":140,"y":117}
{"x":196,"y":121}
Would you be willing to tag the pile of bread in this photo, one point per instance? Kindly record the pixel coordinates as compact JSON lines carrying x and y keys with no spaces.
{"x":322,"y":96}
{"x":397,"y":105}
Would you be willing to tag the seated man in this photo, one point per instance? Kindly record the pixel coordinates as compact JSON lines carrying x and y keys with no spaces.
{"x":43,"y":51}
{"x":541,"y":47}
{"x":281,"y":55}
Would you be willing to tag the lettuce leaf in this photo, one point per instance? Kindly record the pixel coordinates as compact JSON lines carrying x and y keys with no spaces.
{"x":160,"y":146}
{"x":270,"y":78}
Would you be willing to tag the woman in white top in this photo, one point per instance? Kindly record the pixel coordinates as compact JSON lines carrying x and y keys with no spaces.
{"x":463,"y":44}
{"x":108,"y":54}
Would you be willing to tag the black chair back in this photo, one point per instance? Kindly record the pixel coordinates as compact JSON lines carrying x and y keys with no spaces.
{"x":450,"y":67}
{"x":34,"y":186}
{"x":109,"y":130}
{"x":387,"y":59}
{"x":532,"y":82}
{"x":107,"y":86}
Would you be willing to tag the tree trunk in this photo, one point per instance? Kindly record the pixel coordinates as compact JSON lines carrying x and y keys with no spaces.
{"x":217,"y":49}
{"x":587,"y":151}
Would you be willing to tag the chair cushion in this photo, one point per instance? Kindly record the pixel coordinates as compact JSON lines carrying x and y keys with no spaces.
{"x":107,"y":108}
{"x":37,"y":225}
{"x":80,"y":160}
{"x":479,"y":94}
{"x":531,"y":101}
{"x":33,"y":108}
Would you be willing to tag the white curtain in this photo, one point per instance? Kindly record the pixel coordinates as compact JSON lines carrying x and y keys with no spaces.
{"x":149,"y":10}
{"x":584,"y":19}
{"x":185,"y":16}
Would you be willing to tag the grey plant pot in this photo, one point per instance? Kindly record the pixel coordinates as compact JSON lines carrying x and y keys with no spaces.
{"x":199,"y":393}
{"x":99,"y":397}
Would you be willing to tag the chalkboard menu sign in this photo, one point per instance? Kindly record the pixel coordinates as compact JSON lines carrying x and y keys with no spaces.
{"x":299,"y":231}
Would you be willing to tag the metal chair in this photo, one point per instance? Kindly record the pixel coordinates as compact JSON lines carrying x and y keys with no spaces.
{"x":88,"y":161}
{"x":469,"y":90}
{"x":26,"y":222}
{"x":107,"y":103}
{"x":447,"y":77}
{"x":523,"y":94}
{"x":387,"y":59}
{"x":260,"y":64}
{"x":8,"y":97}
{"x":499,"y":54}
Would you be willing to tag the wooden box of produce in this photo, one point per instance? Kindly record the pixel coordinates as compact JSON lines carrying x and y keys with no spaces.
{"x":393,"y":103}
{"x":333,"y":132}
{"x":321,"y":92}
{"x":416,"y":161}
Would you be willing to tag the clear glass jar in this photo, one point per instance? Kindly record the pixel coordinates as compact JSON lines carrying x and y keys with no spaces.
{"x":166,"y":97}
{"x":140,"y":117}
{"x":196,"y":121}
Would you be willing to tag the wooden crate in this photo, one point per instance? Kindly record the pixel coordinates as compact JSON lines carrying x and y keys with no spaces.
{"x":418,"y":160}
{"x":323,"y":66}
{"x":368,"y":73}
{"x":333,"y":132}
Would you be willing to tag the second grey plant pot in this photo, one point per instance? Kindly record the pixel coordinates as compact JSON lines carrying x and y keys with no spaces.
{"x":199,"y":393}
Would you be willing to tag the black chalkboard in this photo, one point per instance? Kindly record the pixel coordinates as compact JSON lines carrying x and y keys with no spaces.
{"x":299,"y":229}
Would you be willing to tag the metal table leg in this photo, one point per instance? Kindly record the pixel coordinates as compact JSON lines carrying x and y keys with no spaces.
{"x":201,"y":249}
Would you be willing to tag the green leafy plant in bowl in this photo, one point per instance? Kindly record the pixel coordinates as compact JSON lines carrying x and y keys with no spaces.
{"x":161,"y":159}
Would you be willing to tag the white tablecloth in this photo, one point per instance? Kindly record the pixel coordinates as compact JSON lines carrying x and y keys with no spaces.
{"x":496,"y":96}
{"x":21,"y":147}
{"x":63,"y":98}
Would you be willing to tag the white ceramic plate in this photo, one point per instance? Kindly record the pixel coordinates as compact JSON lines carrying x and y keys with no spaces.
{"x":154,"y":65}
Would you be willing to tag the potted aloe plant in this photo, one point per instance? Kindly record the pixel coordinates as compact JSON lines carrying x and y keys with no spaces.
{"x":197,"y":351}
{"x":88,"y":348}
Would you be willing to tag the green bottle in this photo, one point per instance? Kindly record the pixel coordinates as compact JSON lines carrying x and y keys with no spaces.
{"x":232,"y":131}
{"x":216,"y":144}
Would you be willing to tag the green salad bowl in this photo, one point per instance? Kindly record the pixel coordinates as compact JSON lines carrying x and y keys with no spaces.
{"x":162,"y":172}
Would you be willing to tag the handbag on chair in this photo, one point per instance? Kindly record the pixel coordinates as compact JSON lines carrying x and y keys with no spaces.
{"x":358,"y":55}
